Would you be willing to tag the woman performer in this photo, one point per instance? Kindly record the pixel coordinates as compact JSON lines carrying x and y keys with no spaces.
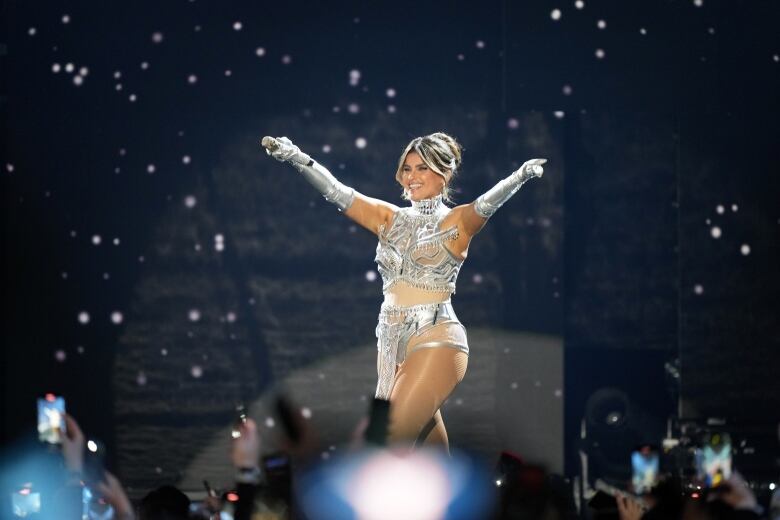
{"x":422,"y":347}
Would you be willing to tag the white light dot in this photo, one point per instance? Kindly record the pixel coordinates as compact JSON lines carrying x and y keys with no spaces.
{"x":698,"y":3}
{"x":513,"y":385}
{"x":117,"y":74}
{"x":55,"y":68}
{"x":116,"y":241}
{"x":157,"y":37}
{"x":269,"y":422}
{"x":144,"y":65}
{"x":353,"y":108}
{"x":559,"y":114}
{"x":237,"y":26}
{"x":83,"y":317}
{"x":163,"y":351}
{"x":512,"y":123}
{"x":744,"y":249}
{"x":132,"y":98}
{"x":286,"y":59}
{"x":370,"y":276}
{"x":151,"y":168}
{"x":117,"y":317}
{"x":776,"y":58}
{"x":354,"y":77}
{"x":715,"y":232}
{"x":306,"y":413}
{"x":361,"y":142}
{"x":192,"y":79}
{"x":601,"y":24}
{"x":80,"y":349}
{"x":391,"y":109}
{"x":196,"y":28}
{"x":66,"y":18}
{"x":579,"y":4}
{"x":230,"y":317}
{"x":734,"y":208}
{"x":458,"y":401}
{"x":60,"y":356}
{"x":84,"y":71}
{"x":219,"y":237}
{"x":477,"y":278}
{"x":140,"y":379}
{"x":194,"y":315}
{"x":196,"y":371}
{"x":260,"y":52}
{"x":186,"y":159}
{"x":31,"y":31}
{"x":141,"y":259}
{"x":106,"y":276}
{"x":78,"y":80}
{"x":642,"y":31}
{"x":480,"y":44}
{"x":555,"y":14}
{"x":698,"y":289}
{"x":96,"y":240}
{"x":600,"y":53}
{"x":720,"y":209}
{"x":190,"y":201}
{"x":325,"y":148}
{"x":558,"y":392}
{"x":460,"y":57}
{"x":711,"y":30}
{"x":390,"y":92}
{"x":567,"y":90}
{"x":219,"y":246}
{"x":69,"y":67}
{"x":228,"y":73}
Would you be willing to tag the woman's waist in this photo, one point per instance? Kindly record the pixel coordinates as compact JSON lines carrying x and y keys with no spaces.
{"x":405,"y":295}
{"x":435,"y":312}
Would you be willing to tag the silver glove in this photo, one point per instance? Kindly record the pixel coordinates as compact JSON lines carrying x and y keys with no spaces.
{"x":282,"y":149}
{"x":487,"y":203}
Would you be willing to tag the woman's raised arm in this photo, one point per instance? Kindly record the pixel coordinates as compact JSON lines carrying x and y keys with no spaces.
{"x":471,"y":218}
{"x":366,"y":211}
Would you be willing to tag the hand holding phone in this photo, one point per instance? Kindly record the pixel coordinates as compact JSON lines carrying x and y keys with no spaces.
{"x":73,"y":446}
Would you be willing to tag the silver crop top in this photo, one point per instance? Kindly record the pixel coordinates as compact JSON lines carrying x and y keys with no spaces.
{"x":412,"y":250}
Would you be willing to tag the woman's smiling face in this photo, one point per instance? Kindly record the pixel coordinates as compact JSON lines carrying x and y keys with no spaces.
{"x":418,"y":180}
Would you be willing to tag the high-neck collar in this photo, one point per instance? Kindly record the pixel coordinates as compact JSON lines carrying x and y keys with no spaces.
{"x":428,"y":206}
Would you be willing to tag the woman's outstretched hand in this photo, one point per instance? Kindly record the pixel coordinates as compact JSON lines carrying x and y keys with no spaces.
{"x":532,"y":168}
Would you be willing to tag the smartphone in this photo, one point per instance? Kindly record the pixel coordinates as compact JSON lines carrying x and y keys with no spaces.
{"x":25,"y":501}
{"x":376,"y":432}
{"x":713,"y":459}
{"x":644,"y":469}
{"x":286,"y":413}
{"x":240,"y":420}
{"x":51,"y":418}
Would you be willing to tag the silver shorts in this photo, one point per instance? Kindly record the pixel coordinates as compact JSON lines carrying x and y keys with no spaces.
{"x":397,"y":326}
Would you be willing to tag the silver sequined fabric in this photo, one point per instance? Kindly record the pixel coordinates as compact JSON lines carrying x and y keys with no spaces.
{"x":412,"y":250}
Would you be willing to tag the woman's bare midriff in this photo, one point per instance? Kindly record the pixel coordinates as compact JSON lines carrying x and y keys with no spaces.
{"x":404,"y":295}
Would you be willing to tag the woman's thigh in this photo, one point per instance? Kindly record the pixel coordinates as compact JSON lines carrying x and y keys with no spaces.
{"x":423,"y":382}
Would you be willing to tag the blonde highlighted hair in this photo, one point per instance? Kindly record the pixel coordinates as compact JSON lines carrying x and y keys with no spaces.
{"x":440,"y":152}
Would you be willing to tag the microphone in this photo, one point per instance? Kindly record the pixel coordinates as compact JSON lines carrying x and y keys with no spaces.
{"x":272,"y":144}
